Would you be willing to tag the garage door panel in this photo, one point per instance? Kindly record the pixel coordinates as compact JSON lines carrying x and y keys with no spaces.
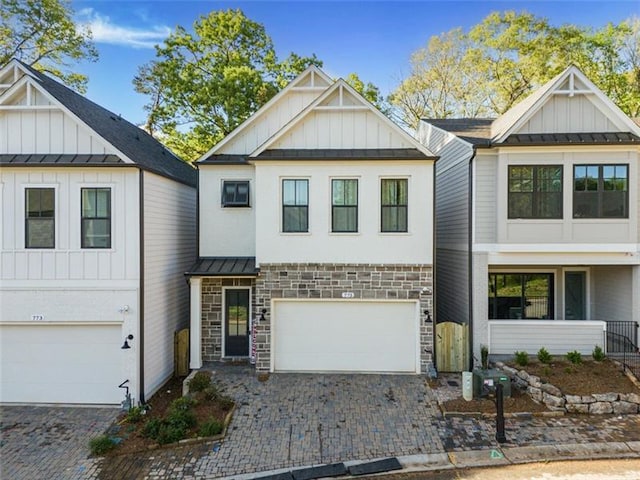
{"x":345,"y":336}
{"x":61,"y":364}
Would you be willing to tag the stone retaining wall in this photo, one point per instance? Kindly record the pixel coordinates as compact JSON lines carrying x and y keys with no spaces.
{"x":554,"y":399}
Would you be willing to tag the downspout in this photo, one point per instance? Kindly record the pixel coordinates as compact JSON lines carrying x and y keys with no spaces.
{"x":434,"y":266}
{"x":141,"y":305}
{"x":470,"y":256}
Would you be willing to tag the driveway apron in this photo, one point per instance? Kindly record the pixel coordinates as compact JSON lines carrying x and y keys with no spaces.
{"x":307,"y":419}
{"x":50,"y":442}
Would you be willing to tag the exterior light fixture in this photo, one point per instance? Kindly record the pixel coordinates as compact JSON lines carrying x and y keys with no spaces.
{"x":125,"y":346}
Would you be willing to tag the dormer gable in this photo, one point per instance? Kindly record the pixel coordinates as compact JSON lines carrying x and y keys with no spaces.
{"x":341,"y":119}
{"x":568,"y":104}
{"x":273,"y":115}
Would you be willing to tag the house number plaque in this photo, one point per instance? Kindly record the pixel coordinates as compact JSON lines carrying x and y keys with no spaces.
{"x":348,"y":295}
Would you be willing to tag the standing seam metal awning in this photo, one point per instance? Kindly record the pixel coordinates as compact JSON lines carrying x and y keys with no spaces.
{"x":224,"y":267}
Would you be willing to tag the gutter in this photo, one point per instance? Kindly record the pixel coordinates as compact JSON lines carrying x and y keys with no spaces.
{"x":142,"y":400}
{"x":470,"y":256}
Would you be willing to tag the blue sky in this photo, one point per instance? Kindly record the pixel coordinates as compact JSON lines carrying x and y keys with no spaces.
{"x":375,"y":39}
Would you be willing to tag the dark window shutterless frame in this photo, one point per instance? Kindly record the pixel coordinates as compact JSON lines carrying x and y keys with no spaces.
{"x":295,"y":205}
{"x":95,"y":217}
{"x":393,"y":205}
{"x":344,"y":205}
{"x":40,"y":218}
{"x":535,"y":191}
{"x":601,"y":191}
{"x":235,"y":193}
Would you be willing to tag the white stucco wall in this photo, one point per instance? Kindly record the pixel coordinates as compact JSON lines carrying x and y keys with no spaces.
{"x":368,"y":245}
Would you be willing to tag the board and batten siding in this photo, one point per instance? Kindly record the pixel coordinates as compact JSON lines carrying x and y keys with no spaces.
{"x":338,"y":129}
{"x":269,"y":123}
{"x":484,"y":196}
{"x":452,"y":222}
{"x":226,"y":231}
{"x":557,"y":336}
{"x":564,"y":114}
{"x":47,"y":131}
{"x":169,"y":251}
{"x":68,"y":261}
{"x":613,"y":293}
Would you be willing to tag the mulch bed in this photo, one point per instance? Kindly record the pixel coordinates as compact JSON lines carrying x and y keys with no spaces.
{"x":131,"y":433}
{"x":519,"y":402}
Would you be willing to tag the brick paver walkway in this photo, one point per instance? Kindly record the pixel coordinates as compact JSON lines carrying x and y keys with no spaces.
{"x":287,"y":421}
{"x":49,"y":442}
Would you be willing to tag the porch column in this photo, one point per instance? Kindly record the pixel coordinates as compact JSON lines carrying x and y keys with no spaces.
{"x":195,"y":329}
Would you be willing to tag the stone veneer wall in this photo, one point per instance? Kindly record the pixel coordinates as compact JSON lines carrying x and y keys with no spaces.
{"x":327,"y":281}
{"x":212,"y":313}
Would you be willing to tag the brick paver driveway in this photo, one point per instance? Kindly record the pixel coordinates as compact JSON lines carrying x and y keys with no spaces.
{"x":49,"y":442}
{"x":297,"y":420}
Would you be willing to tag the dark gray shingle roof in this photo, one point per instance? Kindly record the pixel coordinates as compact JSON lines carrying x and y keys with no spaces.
{"x":345,"y":154}
{"x":476,"y":131}
{"x":224,"y":267}
{"x":135,"y":143}
{"x":54,"y":159}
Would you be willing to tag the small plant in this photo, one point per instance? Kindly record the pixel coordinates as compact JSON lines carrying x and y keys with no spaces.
{"x":101,"y":445}
{"x":575,"y":357}
{"x":522,"y":358}
{"x":598,"y":354}
{"x":569,"y":370}
{"x":484,"y":356}
{"x":544,"y":356}
{"x":211,"y":427}
{"x":211,"y":393}
{"x":226,"y":403}
{"x":546,"y":371}
{"x":200,"y":381}
{"x":135,"y":414}
{"x":180,"y":418}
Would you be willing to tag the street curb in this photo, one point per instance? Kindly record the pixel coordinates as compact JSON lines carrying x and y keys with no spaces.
{"x":503,"y":455}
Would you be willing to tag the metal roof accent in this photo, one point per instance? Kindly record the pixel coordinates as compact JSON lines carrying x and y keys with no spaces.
{"x":345,"y":154}
{"x":224,"y":267}
{"x":594,"y":138}
{"x":224,"y":159}
{"x":54,"y":160}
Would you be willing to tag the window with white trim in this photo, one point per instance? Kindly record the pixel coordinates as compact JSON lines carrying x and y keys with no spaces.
{"x":40,"y":217}
{"x":95,"y":217}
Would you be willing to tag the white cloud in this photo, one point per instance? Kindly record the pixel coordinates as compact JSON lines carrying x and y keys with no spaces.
{"x":105,"y":31}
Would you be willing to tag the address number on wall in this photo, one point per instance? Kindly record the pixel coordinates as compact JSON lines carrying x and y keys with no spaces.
{"x":37,"y":318}
{"x":348,"y":295}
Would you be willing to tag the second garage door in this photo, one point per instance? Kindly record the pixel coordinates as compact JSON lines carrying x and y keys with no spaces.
{"x":345,"y":336}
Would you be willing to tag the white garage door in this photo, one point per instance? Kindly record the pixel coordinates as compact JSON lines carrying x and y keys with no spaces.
{"x":61,"y":364}
{"x":345,"y":336}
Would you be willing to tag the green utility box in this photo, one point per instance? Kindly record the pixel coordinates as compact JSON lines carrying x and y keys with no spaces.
{"x":490,"y":378}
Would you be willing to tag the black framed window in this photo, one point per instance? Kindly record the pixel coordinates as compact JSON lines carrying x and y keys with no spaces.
{"x":521,"y":296}
{"x":394,"y":201}
{"x":96,"y":218}
{"x":535,"y":191}
{"x":601,"y":191}
{"x":344,"y":205}
{"x":40,"y":207}
{"x":235,"y":193}
{"x":295,"y":205}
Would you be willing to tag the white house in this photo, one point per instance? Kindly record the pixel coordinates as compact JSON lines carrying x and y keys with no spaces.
{"x":538,"y":235}
{"x":97,"y":227}
{"x":316,"y":228}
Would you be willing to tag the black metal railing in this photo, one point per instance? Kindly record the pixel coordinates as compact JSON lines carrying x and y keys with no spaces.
{"x":622,"y":349}
{"x":624,"y":328}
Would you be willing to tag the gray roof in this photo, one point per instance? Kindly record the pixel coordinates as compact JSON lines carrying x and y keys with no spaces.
{"x":144,"y":150}
{"x":541,"y":139}
{"x":225,"y":159}
{"x":224,"y":267}
{"x":55,"y":160}
{"x":477,"y":131}
{"x":345,"y":154}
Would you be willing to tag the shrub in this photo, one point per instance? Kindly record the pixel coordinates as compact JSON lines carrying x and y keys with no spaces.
{"x":199,"y":382}
{"x":484,"y":356}
{"x":152,"y":428}
{"x":226,"y":403}
{"x":598,"y":354}
{"x":574,"y":357}
{"x":135,"y":414}
{"x":522,"y":358}
{"x":101,"y":445}
{"x":544,"y":356}
{"x":211,"y":393}
{"x":211,"y":427}
{"x":180,"y":418}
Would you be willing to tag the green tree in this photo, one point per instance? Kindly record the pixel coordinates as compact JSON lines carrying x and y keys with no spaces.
{"x":204,"y":83}
{"x":42,"y":34}
{"x":498,"y":62}
{"x":369,"y":91}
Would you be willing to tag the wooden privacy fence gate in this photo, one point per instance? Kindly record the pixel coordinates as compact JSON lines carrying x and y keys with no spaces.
{"x":451,"y":347}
